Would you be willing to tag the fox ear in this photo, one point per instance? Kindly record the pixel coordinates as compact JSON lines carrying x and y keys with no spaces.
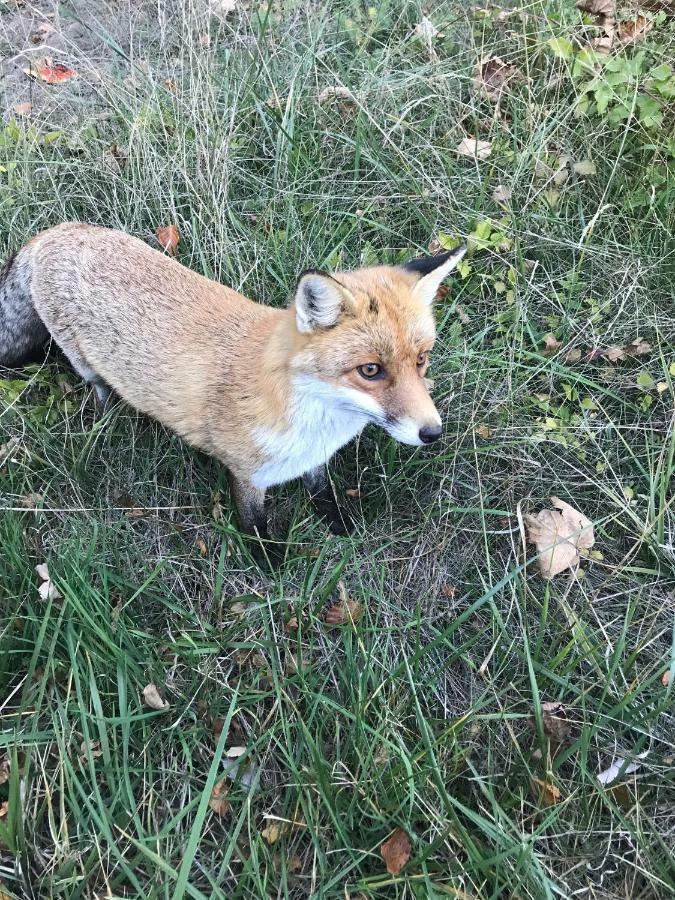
{"x":431,"y":271}
{"x":319,"y":302}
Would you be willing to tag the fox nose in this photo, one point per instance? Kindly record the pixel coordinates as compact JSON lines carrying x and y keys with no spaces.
{"x":430,"y":433}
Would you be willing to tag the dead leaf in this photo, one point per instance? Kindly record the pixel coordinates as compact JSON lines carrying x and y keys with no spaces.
{"x":556,"y":724}
{"x":474,"y":148}
{"x":396,"y":851}
{"x":559,"y":536}
{"x":483,"y":431}
{"x":426,"y":30}
{"x":32,"y":501}
{"x":449,"y":591}
{"x":551,"y":344}
{"x":336,"y":92}
{"x":638,"y":347}
{"x":573,"y":356}
{"x":152,"y":698}
{"x":238,"y":609}
{"x":23,"y":109}
{"x":274,"y":830}
{"x":548,"y":793}
{"x":50,"y":73}
{"x":171,"y":85}
{"x":222,"y":8}
{"x":41,"y":32}
{"x":345,"y":610}
{"x":218,"y":800}
{"x":612,"y":773}
{"x":665,"y":681}
{"x":462,"y":315}
{"x":200,"y":544}
{"x":353,"y":492}
{"x":614,"y":354}
{"x":634,"y":30}
{"x":46,"y":588}
{"x":585,"y":167}
{"x":93,"y":749}
{"x":4,"y":806}
{"x":501,"y":193}
{"x":235,"y":752}
{"x":4,"y":770}
{"x":169,"y":238}
{"x":493,"y":76}
{"x":597,"y":7}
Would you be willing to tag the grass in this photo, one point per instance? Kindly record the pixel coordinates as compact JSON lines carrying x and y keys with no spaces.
{"x":426,"y":714}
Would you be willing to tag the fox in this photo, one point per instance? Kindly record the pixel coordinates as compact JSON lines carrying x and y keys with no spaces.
{"x":272,"y":393}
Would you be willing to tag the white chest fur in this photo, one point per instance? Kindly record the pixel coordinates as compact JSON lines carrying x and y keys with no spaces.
{"x":322,"y":419}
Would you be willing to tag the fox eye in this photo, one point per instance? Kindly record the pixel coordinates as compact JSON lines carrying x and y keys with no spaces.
{"x":370,"y":370}
{"x":421,"y":359}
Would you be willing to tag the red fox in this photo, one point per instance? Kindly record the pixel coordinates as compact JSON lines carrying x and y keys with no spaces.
{"x":272,"y":393}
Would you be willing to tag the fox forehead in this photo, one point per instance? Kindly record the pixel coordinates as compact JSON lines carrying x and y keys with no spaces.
{"x":388,"y":316}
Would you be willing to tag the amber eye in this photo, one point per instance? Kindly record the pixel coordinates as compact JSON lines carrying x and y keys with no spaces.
{"x":422,"y":359}
{"x":370,"y":370}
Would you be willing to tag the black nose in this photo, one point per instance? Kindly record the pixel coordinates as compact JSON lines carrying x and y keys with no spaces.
{"x":430,"y":433}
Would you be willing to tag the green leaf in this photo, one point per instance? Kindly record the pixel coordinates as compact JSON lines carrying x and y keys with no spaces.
{"x":645,"y":381}
{"x":666,"y":88}
{"x":651,"y":114}
{"x":448,"y":241}
{"x":662,"y":72}
{"x":603,"y":94}
{"x":671,"y":369}
{"x":562,"y":47}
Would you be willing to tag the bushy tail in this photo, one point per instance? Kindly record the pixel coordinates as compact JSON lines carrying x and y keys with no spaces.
{"x":21,"y":330}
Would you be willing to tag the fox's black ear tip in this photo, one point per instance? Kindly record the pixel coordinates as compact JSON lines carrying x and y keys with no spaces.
{"x":422,"y":265}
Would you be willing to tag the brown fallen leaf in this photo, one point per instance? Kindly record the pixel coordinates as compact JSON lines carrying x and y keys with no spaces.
{"x":573,"y":356}
{"x":493,"y":76}
{"x":92,"y":748}
{"x":41,"y":32}
{"x":46,"y":588}
{"x":548,"y":793}
{"x":152,"y":699}
{"x":501,"y":193}
{"x":169,"y":238}
{"x":483,"y":431}
{"x":474,"y":148}
{"x":665,"y":681}
{"x":345,"y":610}
{"x":277,"y":828}
{"x":449,"y":591}
{"x":218,"y":800}
{"x":559,"y":535}
{"x":614,"y":354}
{"x":200,"y":544}
{"x":638,"y":347}
{"x":597,"y":7}
{"x":634,"y":30}
{"x":396,"y":851}
{"x":4,"y":770}
{"x":336,"y":92}
{"x":353,"y":492}
{"x":556,"y":724}
{"x":4,"y":807}
{"x":23,"y":109}
{"x":551,"y":344}
{"x":50,"y":73}
{"x":32,"y":501}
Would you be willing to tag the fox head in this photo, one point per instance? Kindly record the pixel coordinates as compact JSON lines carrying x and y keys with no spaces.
{"x":366,"y":337}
